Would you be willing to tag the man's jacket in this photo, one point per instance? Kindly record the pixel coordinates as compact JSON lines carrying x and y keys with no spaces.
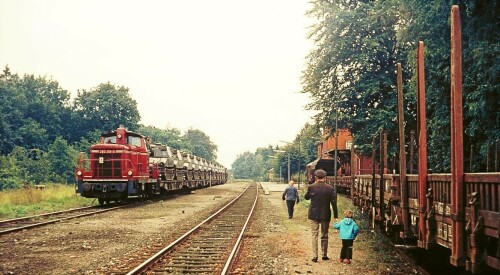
{"x":322,"y":195}
{"x":290,"y":194}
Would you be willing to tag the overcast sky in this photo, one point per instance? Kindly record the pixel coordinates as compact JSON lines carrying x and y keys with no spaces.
{"x":230,"y":68}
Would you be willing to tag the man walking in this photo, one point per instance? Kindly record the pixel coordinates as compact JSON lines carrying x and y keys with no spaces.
{"x":322,"y":195}
{"x":291,"y":195}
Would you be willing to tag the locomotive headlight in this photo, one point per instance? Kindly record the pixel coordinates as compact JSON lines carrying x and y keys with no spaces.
{"x":129,"y":172}
{"x":119,"y":135}
{"x":87,"y":186}
{"x":121,"y":187}
{"x":79,"y":173}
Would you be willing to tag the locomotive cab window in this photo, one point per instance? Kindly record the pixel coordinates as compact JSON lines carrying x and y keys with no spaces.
{"x":108,"y":140}
{"x":135,"y":141}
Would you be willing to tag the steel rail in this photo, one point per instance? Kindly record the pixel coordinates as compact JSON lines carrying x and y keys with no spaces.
{"x":238,"y":241}
{"x":44,"y":215}
{"x":55,"y":220}
{"x":147,"y":264}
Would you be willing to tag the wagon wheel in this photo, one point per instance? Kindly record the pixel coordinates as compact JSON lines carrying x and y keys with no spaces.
{"x":140,"y":192}
{"x":101,"y":201}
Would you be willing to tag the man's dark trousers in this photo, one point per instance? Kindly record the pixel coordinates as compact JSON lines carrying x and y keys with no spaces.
{"x":290,"y":204}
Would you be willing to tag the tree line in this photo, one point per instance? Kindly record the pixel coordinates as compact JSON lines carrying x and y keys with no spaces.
{"x":274,"y":158}
{"x":350,"y":75}
{"x":42,"y":130}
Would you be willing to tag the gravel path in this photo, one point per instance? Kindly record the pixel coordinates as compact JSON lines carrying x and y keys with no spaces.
{"x":278,"y":245}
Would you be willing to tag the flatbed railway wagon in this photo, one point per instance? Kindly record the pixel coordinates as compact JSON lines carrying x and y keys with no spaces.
{"x":458,"y":211}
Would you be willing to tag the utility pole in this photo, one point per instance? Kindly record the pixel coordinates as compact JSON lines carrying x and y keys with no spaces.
{"x":336,"y":143}
{"x":288,"y":166}
{"x":281,"y":151}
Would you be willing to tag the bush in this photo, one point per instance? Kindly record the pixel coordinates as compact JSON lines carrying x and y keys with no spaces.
{"x":26,"y":202}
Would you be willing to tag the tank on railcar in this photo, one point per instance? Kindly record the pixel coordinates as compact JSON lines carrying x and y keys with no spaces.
{"x":190,"y":171}
{"x":212,"y":173}
{"x":204,"y":172}
{"x":196,"y":172}
{"x":163,"y":156}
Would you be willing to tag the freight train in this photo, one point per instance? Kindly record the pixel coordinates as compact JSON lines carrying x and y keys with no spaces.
{"x":125,"y":164}
{"x":458,"y":212}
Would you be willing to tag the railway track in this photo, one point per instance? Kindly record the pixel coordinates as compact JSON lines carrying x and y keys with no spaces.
{"x":13,"y":225}
{"x":209,"y":247}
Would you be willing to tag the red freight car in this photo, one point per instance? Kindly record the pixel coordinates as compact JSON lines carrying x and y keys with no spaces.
{"x":458,"y":211}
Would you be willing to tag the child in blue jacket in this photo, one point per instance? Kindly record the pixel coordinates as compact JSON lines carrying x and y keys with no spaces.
{"x":348,"y":230}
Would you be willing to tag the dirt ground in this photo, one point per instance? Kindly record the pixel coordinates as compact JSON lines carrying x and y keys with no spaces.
{"x":278,"y":245}
{"x":274,"y":244}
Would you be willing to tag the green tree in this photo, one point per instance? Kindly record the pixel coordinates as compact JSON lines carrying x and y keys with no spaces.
{"x":9,"y":173}
{"x":105,"y":108}
{"x":258,"y":165}
{"x":199,"y":144}
{"x":33,"y":111}
{"x":13,"y":103}
{"x":350,"y":74}
{"x":481,"y":80}
{"x":62,"y":159}
{"x":263,"y":163}
{"x":171,"y":137}
{"x":32,"y":135}
{"x":429,"y":21}
{"x":48,"y":105}
{"x":34,"y":167}
{"x":243,"y":166}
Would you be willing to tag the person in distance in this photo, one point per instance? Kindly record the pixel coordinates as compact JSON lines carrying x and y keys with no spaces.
{"x":290,"y":195}
{"x":322,"y":195}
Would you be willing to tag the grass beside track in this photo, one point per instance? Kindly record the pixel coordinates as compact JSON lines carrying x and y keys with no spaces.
{"x":27,"y":202}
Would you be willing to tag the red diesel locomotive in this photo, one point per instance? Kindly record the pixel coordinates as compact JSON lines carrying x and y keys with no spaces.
{"x":124,"y":164}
